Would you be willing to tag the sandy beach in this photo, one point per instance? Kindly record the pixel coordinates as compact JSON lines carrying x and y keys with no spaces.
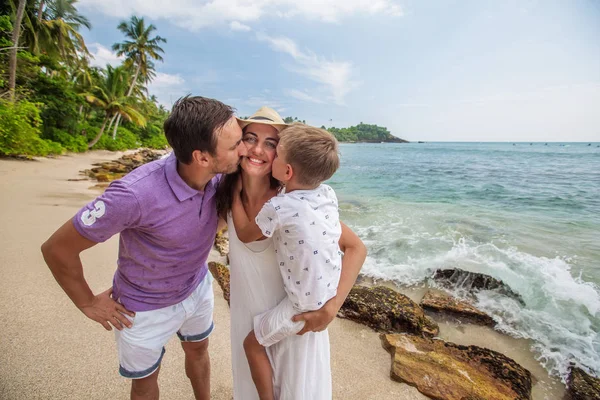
{"x":49,"y":350}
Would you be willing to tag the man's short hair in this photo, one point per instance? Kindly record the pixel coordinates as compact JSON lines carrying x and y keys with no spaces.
{"x":193,"y":124}
{"x":312,"y":153}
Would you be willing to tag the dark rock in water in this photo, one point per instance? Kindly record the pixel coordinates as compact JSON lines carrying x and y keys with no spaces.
{"x":221,"y":275}
{"x":473,"y":281}
{"x":443,"y":303}
{"x":386,"y":310}
{"x":582,"y":386}
{"x":447,"y":371}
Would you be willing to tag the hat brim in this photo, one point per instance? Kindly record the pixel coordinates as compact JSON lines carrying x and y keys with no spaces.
{"x":245,"y":122}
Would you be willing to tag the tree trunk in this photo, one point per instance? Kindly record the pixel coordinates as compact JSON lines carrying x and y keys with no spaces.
{"x":110,"y":124}
{"x":133,"y":82}
{"x":114,"y":136}
{"x":12,"y":63}
{"x":41,"y":10}
{"x":99,"y":135}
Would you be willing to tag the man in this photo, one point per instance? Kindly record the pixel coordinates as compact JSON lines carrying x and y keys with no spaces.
{"x":166,"y":215}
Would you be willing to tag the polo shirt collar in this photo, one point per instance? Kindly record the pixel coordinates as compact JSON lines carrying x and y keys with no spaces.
{"x":178,"y":186}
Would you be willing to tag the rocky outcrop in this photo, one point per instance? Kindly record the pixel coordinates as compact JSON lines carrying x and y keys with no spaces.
{"x":472,"y":282}
{"x":112,"y":170}
{"x":463,"y":311}
{"x":447,"y":371}
{"x":388,"y":311}
{"x":222,"y":242}
{"x":582,"y":386}
{"x":221,"y":274}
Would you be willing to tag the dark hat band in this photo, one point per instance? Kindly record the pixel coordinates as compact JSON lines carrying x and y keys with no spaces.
{"x":261,"y":118}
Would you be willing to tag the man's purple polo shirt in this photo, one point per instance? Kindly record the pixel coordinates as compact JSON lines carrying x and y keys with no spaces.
{"x":167,"y":230}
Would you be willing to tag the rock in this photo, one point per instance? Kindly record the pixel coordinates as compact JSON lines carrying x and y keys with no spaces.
{"x":447,"y":371}
{"x":472,"y":282}
{"x":386,"y":310}
{"x":581,"y":386}
{"x":102,"y":177}
{"x":112,"y":170}
{"x":222,"y":242}
{"x":441,"y":302}
{"x":221,"y":273}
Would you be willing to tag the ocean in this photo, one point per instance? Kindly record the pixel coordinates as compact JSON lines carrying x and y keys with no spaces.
{"x":528,"y":214}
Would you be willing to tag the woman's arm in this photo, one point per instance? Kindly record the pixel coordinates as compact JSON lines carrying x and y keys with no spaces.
{"x":355,"y":253}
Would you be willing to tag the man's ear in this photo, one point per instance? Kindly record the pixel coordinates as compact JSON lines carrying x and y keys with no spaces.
{"x":201,"y":158}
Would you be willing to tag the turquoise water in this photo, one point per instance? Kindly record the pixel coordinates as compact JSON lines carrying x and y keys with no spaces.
{"x":526,"y":214}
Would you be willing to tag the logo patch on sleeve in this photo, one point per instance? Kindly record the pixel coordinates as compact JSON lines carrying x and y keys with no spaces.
{"x":89,"y":217}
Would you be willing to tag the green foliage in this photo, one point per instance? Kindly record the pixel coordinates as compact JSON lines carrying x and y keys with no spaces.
{"x":156,"y":142}
{"x":5,"y":31}
{"x":60,"y":103}
{"x":20,"y":130}
{"x":125,"y":140}
{"x":64,"y":104}
{"x":72,"y":143}
{"x":363,"y":133}
{"x":290,"y":120}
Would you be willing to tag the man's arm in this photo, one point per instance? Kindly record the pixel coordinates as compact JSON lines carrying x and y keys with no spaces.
{"x":247,"y":231}
{"x":355,"y":254}
{"x":61,"y":253}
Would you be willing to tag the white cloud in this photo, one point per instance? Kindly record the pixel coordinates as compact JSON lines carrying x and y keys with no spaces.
{"x":297,"y":94}
{"x":102,"y":56}
{"x":195,"y":15}
{"x":334,"y":76}
{"x":167,"y":88}
{"x":236,"y":26}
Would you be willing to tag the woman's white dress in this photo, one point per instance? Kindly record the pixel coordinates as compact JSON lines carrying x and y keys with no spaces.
{"x":301,"y":364}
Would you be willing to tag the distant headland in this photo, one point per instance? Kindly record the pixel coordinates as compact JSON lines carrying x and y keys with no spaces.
{"x":361,"y":133}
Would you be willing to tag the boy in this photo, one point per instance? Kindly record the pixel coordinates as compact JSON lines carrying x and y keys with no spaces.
{"x":304,"y":223}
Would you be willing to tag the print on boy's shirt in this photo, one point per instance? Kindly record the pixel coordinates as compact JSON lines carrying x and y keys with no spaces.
{"x":306,"y":229}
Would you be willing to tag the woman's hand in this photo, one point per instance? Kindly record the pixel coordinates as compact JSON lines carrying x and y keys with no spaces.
{"x":318,"y":320}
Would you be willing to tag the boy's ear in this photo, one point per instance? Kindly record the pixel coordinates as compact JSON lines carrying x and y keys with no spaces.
{"x":289,"y":172}
{"x":201,"y":158}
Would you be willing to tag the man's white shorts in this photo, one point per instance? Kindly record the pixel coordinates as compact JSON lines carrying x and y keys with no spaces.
{"x":276,"y":324}
{"x":141,"y":347}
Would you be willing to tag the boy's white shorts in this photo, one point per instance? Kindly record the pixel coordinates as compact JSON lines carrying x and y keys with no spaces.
{"x":141,"y":347}
{"x":276,"y":324}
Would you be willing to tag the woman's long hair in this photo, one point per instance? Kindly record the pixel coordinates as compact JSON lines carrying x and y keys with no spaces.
{"x":225,"y":191}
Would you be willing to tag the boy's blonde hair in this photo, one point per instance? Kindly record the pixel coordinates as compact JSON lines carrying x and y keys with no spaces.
{"x":312,"y":153}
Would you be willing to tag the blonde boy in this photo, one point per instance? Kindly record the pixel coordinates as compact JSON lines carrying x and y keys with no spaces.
{"x":304,"y":224}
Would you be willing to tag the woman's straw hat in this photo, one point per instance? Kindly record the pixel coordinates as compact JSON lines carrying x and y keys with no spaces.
{"x":264,"y":115}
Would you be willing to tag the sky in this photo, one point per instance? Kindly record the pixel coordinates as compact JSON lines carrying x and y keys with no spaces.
{"x":468,"y":70}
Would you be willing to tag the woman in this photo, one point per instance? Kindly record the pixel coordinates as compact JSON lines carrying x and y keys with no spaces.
{"x":301,"y":367}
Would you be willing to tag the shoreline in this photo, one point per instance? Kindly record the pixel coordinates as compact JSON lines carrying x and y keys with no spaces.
{"x":40,"y":198}
{"x":544,"y":386}
{"x":49,"y":350}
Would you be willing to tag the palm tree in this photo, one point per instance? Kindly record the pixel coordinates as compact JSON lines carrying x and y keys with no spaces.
{"x":140,"y":50}
{"x":12,"y":63}
{"x":109,"y":95}
{"x":62,"y":26}
{"x":52,"y":28}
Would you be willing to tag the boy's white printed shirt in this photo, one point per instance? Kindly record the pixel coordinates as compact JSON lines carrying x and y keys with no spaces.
{"x":305,"y":227}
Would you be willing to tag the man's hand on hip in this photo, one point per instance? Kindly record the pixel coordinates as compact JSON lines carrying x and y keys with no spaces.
{"x":107,"y":312}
